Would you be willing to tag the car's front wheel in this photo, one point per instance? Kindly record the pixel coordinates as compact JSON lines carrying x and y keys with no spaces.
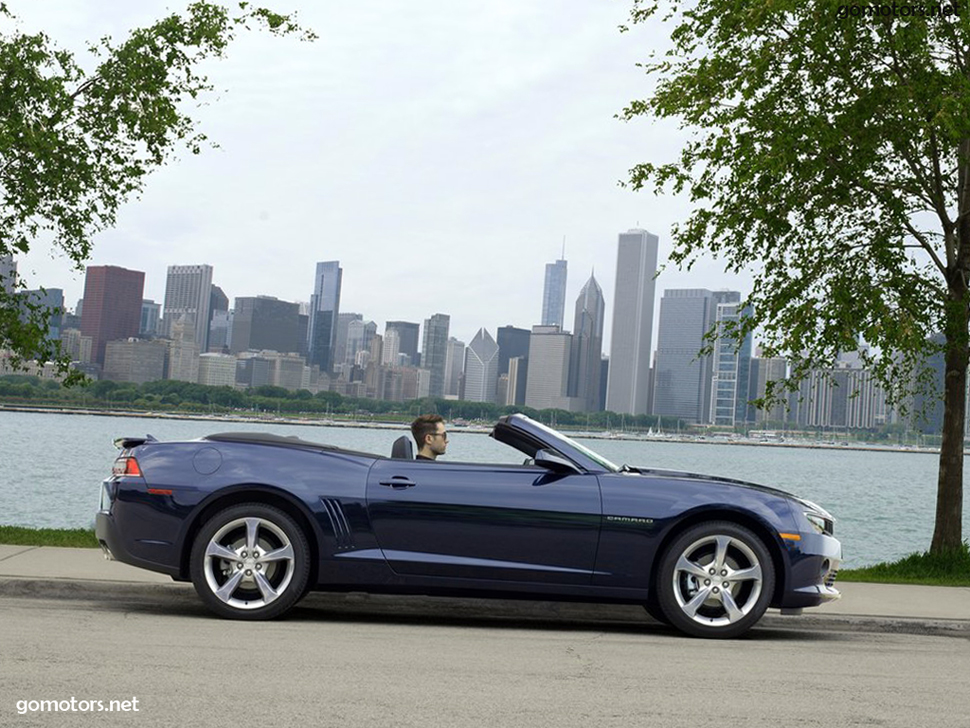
{"x":716,"y":580}
{"x":250,"y":561}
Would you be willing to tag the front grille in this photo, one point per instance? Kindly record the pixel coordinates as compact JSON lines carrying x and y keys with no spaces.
{"x":830,"y":577}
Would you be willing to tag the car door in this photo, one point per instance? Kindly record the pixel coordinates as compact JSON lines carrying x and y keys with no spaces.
{"x":513,"y":523}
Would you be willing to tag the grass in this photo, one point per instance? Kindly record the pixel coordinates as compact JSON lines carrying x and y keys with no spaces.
{"x":951,"y":569}
{"x":70,"y":537}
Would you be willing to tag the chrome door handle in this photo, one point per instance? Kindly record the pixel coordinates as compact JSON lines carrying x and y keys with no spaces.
{"x":398,"y":482}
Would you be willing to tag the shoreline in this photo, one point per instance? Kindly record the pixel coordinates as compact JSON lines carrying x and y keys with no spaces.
{"x":473,"y":429}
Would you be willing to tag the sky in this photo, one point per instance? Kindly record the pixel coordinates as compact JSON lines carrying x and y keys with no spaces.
{"x":442,"y":152}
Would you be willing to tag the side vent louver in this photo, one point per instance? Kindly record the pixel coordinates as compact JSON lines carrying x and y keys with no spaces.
{"x":343,"y":536}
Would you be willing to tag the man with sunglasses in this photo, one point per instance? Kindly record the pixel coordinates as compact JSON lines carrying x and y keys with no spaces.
{"x":430,"y":435}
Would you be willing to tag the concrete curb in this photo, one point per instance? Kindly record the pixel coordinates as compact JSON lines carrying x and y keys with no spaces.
{"x":124,"y":595}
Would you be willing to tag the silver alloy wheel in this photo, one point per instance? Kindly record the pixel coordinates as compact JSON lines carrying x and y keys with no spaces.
{"x":248,"y":563}
{"x":717,"y":580}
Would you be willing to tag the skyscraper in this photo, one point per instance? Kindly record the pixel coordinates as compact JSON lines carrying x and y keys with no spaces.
{"x":265,"y":323}
{"x":8,"y":273}
{"x":324,"y":308}
{"x":151,"y":315}
{"x":682,"y":386}
{"x":732,"y":368}
{"x":219,"y":322}
{"x":360,"y":333}
{"x":183,"y":351}
{"x":434,"y":352}
{"x":629,"y":376}
{"x":408,"y":335}
{"x":554,"y":294}
{"x":481,"y":368}
{"x":764,"y":370}
{"x":587,"y":347}
{"x":454,"y":367}
{"x":547,"y":384}
{"x":391,"y":353}
{"x":188,"y":292}
{"x":112,"y":306}
{"x":341,"y":357}
{"x":513,"y":343}
{"x":51,"y":299}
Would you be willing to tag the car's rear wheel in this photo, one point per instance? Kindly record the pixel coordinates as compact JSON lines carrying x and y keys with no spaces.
{"x":250,"y":561}
{"x":716,"y":580}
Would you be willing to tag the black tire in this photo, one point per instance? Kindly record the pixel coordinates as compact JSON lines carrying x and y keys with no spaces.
{"x":236,"y":580}
{"x":715,"y":580}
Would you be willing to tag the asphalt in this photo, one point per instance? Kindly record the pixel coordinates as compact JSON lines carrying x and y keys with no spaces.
{"x":49,"y":572}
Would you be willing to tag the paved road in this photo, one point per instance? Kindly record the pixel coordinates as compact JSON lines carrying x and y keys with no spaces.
{"x":333,"y":665}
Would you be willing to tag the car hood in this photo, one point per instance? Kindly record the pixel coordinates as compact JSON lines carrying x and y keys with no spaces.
{"x":677,"y":474}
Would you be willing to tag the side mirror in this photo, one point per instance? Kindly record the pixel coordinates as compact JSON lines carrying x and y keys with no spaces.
{"x":553,"y":461}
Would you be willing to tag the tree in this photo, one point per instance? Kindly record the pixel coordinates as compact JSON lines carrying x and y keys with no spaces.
{"x":830,"y":155}
{"x":77,"y":143}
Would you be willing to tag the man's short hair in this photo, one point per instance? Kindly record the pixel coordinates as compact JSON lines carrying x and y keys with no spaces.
{"x":423,"y":426}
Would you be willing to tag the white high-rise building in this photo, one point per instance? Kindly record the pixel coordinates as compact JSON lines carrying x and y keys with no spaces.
{"x":454,"y":364}
{"x":392,"y":348}
{"x":188,"y":292}
{"x":547,"y":382}
{"x":628,"y":388}
{"x":481,"y":368}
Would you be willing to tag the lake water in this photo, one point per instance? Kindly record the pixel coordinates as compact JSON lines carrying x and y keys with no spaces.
{"x":51,"y":467}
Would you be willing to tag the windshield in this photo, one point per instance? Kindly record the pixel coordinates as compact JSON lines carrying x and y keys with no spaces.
{"x":594,"y":456}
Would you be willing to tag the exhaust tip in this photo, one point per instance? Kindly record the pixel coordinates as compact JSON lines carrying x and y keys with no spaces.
{"x":108,"y":556}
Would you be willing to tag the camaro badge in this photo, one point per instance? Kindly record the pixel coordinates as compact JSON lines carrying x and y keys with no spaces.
{"x":629,"y":519}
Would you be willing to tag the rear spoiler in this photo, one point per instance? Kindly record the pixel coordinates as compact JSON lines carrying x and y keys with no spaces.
{"x":126,"y":443}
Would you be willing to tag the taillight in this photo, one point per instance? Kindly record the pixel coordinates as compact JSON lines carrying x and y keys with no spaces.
{"x":126,"y":465}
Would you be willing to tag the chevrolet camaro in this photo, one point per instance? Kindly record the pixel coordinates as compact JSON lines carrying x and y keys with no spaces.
{"x":256,"y":521}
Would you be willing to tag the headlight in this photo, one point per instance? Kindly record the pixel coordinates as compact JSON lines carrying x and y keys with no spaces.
{"x":816,"y":521}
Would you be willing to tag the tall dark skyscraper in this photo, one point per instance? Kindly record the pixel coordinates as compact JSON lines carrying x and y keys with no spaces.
{"x":408,"y":338}
{"x":218,"y":300}
{"x":434,"y":353}
{"x":587,"y":347}
{"x":265,"y":323}
{"x":628,"y":389}
{"x":151,"y":316}
{"x":112,"y":306}
{"x":324,"y":308}
{"x":554,"y":294}
{"x":512,"y":342}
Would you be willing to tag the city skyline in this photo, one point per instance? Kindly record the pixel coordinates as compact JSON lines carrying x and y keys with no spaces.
{"x":522,"y":321}
{"x":576,"y":383}
{"x":552,"y":372}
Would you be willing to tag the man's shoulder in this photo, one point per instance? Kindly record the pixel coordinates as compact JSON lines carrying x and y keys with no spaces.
{"x":419,"y":456}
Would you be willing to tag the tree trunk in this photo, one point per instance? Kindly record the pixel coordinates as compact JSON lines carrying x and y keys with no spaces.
{"x":948,"y":533}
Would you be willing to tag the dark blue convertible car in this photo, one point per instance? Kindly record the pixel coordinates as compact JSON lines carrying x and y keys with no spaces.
{"x":256,"y":521}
